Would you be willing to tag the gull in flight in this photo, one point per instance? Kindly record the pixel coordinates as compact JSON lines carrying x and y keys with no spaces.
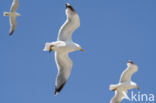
{"x":12,"y":14}
{"x":124,"y":84}
{"x":63,"y":46}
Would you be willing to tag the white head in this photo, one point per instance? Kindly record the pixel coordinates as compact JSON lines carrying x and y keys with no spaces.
{"x":134,"y":85}
{"x":78,"y":47}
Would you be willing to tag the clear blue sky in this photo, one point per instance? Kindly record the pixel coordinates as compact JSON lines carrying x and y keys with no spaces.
{"x":111,"y":32}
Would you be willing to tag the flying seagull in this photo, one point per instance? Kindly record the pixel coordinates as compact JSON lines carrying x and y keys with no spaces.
{"x":12,"y":14}
{"x":124,"y":84}
{"x":63,"y":46}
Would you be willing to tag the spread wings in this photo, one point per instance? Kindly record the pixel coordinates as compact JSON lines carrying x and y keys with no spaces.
{"x":64,"y":65}
{"x":14,"y":6}
{"x":127,"y":74}
{"x":70,"y":25}
{"x":119,"y":95}
{"x":12,"y":24}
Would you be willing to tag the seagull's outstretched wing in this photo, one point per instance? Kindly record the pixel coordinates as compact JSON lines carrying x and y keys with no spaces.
{"x":130,"y":70}
{"x":70,"y":25}
{"x":14,"y":6}
{"x":12,"y":24}
{"x":119,"y":96}
{"x":64,"y":65}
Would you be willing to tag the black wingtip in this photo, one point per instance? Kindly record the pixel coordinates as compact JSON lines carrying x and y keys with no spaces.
{"x":10,"y":34}
{"x":69,"y":6}
{"x":57,"y":90}
{"x":129,"y":61}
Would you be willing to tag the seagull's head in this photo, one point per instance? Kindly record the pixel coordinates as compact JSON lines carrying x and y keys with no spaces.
{"x":135,"y":85}
{"x":78,"y":47}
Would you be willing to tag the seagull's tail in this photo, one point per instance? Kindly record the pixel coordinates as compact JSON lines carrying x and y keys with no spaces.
{"x":6,"y":14}
{"x":125,"y":96}
{"x":47,"y":47}
{"x":113,"y":87}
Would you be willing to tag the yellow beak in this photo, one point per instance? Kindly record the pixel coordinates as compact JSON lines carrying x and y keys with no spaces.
{"x":82,"y":50}
{"x":138,"y":88}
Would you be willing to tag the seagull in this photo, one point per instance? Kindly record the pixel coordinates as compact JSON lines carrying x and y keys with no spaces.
{"x":12,"y":14}
{"x":63,"y":46}
{"x":124,"y":84}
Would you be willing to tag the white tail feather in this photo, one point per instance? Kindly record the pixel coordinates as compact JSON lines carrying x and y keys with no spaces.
{"x":6,"y":14}
{"x":113,"y":87}
{"x":47,"y":46}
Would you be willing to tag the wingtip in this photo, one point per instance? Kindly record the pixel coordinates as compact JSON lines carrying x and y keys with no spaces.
{"x":131,"y":62}
{"x":10,"y":34}
{"x":57,"y":90}
{"x":56,"y":93}
{"x":70,"y":7}
{"x":67,"y":4}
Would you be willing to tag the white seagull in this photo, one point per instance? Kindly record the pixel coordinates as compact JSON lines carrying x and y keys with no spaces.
{"x":13,"y":15}
{"x":63,"y":46}
{"x":125,"y":83}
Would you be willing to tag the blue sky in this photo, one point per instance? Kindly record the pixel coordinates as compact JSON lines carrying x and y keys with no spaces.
{"x":111,"y":32}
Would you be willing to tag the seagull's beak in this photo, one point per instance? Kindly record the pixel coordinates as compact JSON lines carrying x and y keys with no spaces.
{"x":82,"y":50}
{"x":138,"y":88}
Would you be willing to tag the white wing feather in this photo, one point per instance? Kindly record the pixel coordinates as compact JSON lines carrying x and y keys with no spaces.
{"x":119,"y":95}
{"x":70,"y":25}
{"x":64,"y":65}
{"x":14,"y":6}
{"x":12,"y":24}
{"x":127,"y":74}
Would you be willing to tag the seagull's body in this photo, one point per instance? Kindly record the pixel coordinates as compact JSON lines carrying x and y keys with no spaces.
{"x":63,"y":46}
{"x":13,"y":14}
{"x":124,"y":84}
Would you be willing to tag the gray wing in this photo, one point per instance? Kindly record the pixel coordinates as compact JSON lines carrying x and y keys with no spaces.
{"x":119,"y":96}
{"x":12,"y":24}
{"x":70,"y":25}
{"x":14,"y":6}
{"x":127,"y":74}
{"x":64,"y":65}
